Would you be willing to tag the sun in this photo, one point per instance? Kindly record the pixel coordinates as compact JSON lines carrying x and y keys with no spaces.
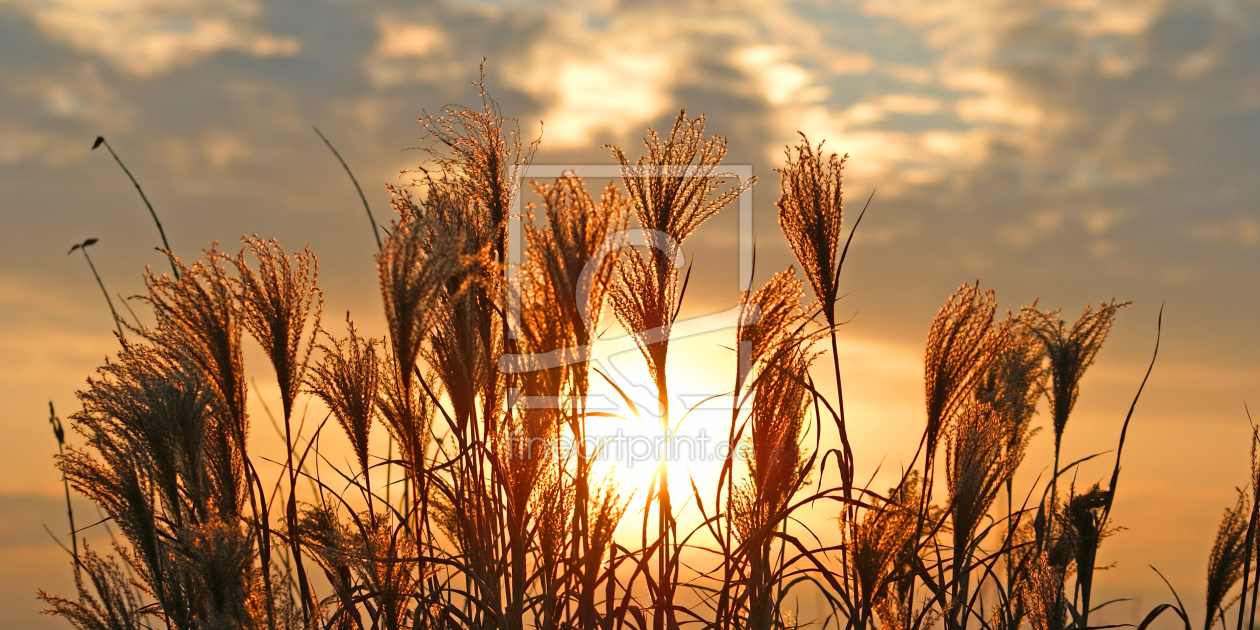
{"x":627,"y":450}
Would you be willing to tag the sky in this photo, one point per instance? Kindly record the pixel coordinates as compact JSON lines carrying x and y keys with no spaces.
{"x":1069,"y":151}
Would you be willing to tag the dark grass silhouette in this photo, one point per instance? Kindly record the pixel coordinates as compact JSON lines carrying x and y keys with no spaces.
{"x":486,"y":522}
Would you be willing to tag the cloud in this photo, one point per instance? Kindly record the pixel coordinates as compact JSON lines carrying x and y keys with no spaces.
{"x":409,"y":40}
{"x":1065,"y":149}
{"x":1237,"y":231}
{"x":1116,"y":117}
{"x":615,"y":71}
{"x":414,"y":48}
{"x":153,"y":37}
{"x":618,"y":94}
{"x":783,"y":81}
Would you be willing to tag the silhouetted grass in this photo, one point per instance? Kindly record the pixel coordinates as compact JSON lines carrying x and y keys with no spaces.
{"x":485,"y":521}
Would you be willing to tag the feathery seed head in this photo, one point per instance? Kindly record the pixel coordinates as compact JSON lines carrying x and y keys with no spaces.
{"x":1255,"y":464}
{"x":416,"y":267}
{"x":1041,"y":594}
{"x":880,"y":541}
{"x":776,"y":466}
{"x":571,"y":253}
{"x":479,"y":156}
{"x":199,"y":325}
{"x":959,"y":349}
{"x":347,"y":380}
{"x":276,"y":301}
{"x":552,"y":504}
{"x":1071,"y":352}
{"x":769,"y":324}
{"x":162,"y":417}
{"x":671,"y":189}
{"x":114,"y":606}
{"x":892,"y":523}
{"x":1015,"y":380}
{"x":607,"y":506}
{"x":811,"y":211}
{"x":220,"y":558}
{"x":976,"y":464}
{"x":778,"y":415}
{"x":1225,"y":564}
{"x":643,"y":301}
{"x":406,"y":411}
{"x":1083,"y":526}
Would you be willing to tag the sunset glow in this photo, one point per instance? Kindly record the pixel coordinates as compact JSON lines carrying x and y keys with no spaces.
{"x":1061,"y":153}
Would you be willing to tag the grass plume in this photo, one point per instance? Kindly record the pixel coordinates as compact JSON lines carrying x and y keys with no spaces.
{"x":492,"y":516}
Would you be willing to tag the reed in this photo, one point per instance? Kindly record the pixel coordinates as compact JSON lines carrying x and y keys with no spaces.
{"x":489,"y":518}
{"x":811,"y":215}
{"x":671,"y":191}
{"x":779,"y":408}
{"x":1070,"y":352}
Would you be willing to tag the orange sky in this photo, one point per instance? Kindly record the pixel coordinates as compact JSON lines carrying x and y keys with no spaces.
{"x":1068,"y":150}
